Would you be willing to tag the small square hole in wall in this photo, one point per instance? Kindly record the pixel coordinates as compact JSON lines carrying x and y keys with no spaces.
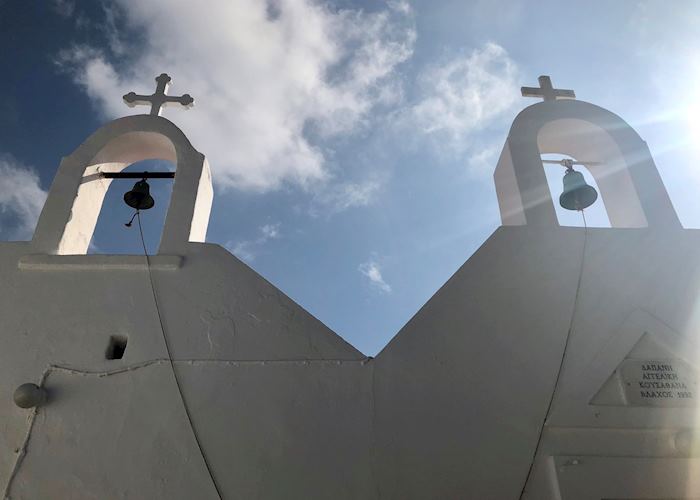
{"x":116,"y":347}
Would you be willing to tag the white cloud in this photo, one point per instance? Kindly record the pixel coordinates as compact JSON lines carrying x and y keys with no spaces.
{"x":270,"y":231}
{"x":338,"y":197}
{"x":465,"y":94}
{"x":21,"y":199}
{"x":373,"y":272}
{"x":262,"y":74}
{"x":242,"y":250}
{"x":483,"y":161}
{"x":247,"y":250}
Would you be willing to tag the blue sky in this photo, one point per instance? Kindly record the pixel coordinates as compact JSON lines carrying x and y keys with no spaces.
{"x":352,"y":143}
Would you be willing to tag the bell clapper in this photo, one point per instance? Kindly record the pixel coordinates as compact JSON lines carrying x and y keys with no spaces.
{"x":131,"y":221}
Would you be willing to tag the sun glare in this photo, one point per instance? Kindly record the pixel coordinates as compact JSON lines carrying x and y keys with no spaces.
{"x":693,"y":120}
{"x":692,"y":112}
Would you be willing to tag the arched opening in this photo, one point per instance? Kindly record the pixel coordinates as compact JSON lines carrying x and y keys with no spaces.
{"x":70,"y":214}
{"x":594,"y":146}
{"x":133,"y":151}
{"x":596,"y":215}
{"x":111,"y":235}
{"x":617,"y":158}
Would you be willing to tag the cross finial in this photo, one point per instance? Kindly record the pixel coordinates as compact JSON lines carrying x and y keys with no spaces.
{"x":546,"y":91}
{"x":158,"y":98}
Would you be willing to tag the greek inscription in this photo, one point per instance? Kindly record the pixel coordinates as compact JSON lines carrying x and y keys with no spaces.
{"x":662,"y":385}
{"x":657,"y":368}
{"x":659,"y":376}
{"x":658,"y":383}
{"x":656,"y":394}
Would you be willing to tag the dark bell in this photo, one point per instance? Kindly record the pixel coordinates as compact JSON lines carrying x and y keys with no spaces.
{"x":577,"y":194}
{"x":140,"y":197}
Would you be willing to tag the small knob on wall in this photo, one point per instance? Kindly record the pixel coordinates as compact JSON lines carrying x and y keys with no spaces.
{"x":30,"y":395}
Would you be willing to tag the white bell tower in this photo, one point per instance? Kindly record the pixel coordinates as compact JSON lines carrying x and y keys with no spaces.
{"x":69,"y":216}
{"x":619,"y":160}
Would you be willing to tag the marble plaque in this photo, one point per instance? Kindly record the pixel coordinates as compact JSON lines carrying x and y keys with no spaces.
{"x":658,"y":382}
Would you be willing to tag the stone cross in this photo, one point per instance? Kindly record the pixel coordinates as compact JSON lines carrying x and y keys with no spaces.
{"x":546,"y":91}
{"x":158,"y":98}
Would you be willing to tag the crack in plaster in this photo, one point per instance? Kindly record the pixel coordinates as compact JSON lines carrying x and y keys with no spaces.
{"x":373,"y":436}
{"x":208,"y":332}
{"x":22,"y":450}
{"x":223,"y":316}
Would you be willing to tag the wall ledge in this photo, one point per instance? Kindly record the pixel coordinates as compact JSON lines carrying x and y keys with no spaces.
{"x":46,"y":262}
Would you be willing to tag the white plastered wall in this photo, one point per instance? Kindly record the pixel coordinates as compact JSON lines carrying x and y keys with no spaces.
{"x":453,"y":407}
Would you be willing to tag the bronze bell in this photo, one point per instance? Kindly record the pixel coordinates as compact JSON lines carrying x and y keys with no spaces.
{"x":140,"y":197}
{"x":577,"y":194}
